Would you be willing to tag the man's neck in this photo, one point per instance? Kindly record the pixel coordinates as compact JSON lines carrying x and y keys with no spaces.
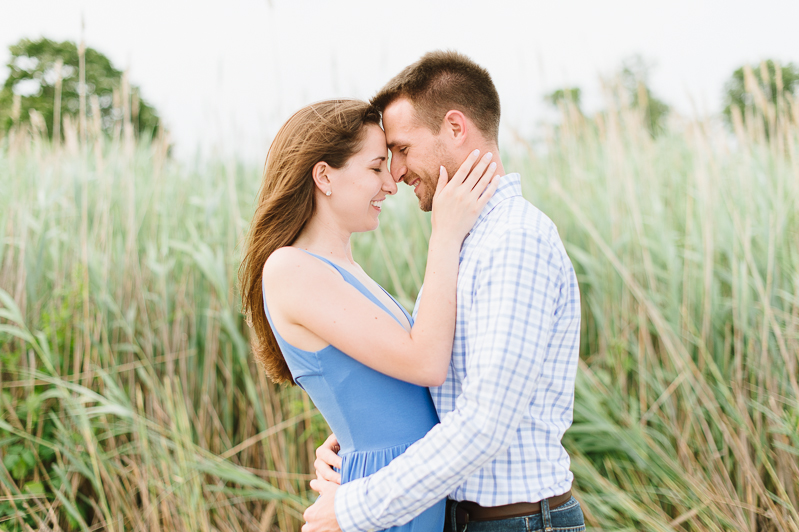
{"x":494,"y":149}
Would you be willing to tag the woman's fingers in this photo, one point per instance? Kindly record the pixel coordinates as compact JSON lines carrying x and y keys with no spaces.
{"x":484,"y":180}
{"x":442,"y":181}
{"x":457,"y":205}
{"x":479,"y":170}
{"x":463,"y":172}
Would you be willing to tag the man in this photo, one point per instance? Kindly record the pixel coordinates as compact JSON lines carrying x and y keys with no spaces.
{"x":509,"y":393}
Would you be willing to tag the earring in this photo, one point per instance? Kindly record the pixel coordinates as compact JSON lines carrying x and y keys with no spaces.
{"x":329,"y":192}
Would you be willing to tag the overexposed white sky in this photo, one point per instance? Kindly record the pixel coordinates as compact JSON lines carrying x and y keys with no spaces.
{"x":225,"y":74}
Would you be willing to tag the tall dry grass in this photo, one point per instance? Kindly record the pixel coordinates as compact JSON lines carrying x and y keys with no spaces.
{"x":686,"y":249}
{"x":129,"y":399}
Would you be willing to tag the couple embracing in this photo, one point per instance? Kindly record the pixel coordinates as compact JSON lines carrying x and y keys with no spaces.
{"x":451,"y":419}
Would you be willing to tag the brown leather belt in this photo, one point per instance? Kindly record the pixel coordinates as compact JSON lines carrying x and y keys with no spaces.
{"x":467,"y":511}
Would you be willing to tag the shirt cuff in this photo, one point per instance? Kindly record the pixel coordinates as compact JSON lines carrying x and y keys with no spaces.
{"x":350,"y":506}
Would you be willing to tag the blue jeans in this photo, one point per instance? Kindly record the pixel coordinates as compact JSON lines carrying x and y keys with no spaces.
{"x":565,"y":518}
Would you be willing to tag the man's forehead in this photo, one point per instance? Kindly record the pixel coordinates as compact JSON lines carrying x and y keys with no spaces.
{"x":395,"y":133}
{"x":393,"y":137}
{"x":399,"y":119}
{"x":399,"y":113}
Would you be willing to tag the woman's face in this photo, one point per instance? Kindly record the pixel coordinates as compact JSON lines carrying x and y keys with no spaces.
{"x":359,"y":188}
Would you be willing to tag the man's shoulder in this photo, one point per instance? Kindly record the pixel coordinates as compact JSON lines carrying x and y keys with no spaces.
{"x":517,"y":217}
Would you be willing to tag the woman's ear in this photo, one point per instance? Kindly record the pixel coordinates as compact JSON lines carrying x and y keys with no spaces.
{"x":321,"y":177}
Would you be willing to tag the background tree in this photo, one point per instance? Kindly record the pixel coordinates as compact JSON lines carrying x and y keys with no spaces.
{"x":634,"y":80}
{"x":771,"y":85}
{"x":570,"y":94}
{"x":34,"y":73}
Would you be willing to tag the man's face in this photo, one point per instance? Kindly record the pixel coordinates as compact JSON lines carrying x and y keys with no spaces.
{"x":416,"y":153}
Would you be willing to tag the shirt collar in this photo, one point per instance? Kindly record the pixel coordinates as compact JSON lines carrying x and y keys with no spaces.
{"x":510,"y":185}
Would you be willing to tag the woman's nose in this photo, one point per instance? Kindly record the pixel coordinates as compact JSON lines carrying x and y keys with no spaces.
{"x":389,"y":185}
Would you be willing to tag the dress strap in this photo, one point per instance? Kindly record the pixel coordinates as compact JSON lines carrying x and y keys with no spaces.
{"x":338,"y":268}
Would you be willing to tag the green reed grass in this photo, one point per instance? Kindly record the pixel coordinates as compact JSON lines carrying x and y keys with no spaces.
{"x":130,"y":400}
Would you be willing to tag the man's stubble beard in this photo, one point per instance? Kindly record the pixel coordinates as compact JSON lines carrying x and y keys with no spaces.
{"x":428,"y":191}
{"x":430,"y":181}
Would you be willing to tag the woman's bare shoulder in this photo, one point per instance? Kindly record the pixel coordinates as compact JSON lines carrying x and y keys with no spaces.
{"x":292,"y":263}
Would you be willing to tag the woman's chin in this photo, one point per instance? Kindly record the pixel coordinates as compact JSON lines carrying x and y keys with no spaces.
{"x":375,"y":223}
{"x":366,"y":227}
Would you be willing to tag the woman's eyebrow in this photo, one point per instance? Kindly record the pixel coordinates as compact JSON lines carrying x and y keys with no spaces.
{"x":383,"y":158}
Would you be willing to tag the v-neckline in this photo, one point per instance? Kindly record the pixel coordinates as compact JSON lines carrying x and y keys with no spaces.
{"x":385,"y":308}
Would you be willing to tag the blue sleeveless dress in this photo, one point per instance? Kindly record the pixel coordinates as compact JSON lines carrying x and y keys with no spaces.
{"x":374,"y":417}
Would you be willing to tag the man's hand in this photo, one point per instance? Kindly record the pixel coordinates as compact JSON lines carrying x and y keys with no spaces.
{"x":321,"y":515}
{"x":326,"y":459}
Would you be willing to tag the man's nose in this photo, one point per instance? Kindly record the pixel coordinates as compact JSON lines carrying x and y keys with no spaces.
{"x":398,"y":170}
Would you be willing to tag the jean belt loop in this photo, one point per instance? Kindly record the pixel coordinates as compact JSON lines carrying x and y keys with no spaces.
{"x":453,"y":517}
{"x":466,"y":524}
{"x":545,"y":515}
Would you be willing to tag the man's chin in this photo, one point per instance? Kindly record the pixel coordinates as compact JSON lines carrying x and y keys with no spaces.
{"x":424,"y":197}
{"x":426,"y":204}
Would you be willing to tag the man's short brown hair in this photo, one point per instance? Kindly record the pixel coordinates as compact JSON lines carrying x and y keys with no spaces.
{"x":442,"y":81}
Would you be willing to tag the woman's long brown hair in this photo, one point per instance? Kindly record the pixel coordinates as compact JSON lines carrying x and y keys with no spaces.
{"x":331,"y":131}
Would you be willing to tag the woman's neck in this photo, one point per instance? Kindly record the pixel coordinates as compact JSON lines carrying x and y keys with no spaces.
{"x":326,"y":240}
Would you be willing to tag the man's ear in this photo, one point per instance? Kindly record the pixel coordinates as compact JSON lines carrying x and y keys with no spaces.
{"x":456,"y":127}
{"x":321,"y":177}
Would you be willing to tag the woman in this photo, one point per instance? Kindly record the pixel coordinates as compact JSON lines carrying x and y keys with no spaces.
{"x":321,"y":322}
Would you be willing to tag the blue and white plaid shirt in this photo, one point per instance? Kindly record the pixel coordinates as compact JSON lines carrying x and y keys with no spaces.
{"x":509,"y":393}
